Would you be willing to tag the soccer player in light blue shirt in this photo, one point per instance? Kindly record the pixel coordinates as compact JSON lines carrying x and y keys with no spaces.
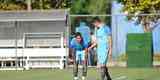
{"x":86,"y":34}
{"x":103,"y":42}
{"x":79,"y":54}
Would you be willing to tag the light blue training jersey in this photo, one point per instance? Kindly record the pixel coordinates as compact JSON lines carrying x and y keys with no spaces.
{"x":102,"y":35}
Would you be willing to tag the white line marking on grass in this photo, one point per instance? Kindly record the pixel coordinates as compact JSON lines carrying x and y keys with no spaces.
{"x":121,"y":78}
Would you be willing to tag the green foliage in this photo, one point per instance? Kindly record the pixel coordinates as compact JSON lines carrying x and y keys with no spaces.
{"x":100,"y":7}
{"x":79,"y":7}
{"x":50,"y":4}
{"x":12,"y":5}
{"x":142,"y":6}
{"x":122,"y":57}
{"x":145,"y":6}
{"x":35,"y":4}
{"x":90,"y":7}
{"x":156,"y":57}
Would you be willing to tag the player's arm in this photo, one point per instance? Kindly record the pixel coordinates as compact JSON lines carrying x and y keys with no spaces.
{"x":85,"y":48}
{"x":86,"y":51}
{"x":108,"y":31}
{"x":72,"y":47}
{"x":93,"y":42}
{"x":73,"y":53}
{"x":92,"y":45}
{"x":110,"y":45}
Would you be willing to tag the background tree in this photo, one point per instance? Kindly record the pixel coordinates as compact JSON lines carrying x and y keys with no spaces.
{"x":35,"y":4}
{"x":96,"y":7}
{"x":12,"y":5}
{"x":90,"y":7}
{"x":50,"y":4}
{"x":143,"y":7}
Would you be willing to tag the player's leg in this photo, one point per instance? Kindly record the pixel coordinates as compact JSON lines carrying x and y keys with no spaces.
{"x":101,"y":68}
{"x":75,"y":67}
{"x":102,"y":60}
{"x":75,"y":70}
{"x":84,"y":65}
{"x":107,"y":73}
{"x":102,"y":72}
{"x":106,"y":68}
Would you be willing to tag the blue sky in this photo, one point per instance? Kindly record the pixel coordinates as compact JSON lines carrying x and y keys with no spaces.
{"x":120,"y":28}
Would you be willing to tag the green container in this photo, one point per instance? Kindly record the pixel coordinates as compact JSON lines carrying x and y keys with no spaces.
{"x":139,"y":50}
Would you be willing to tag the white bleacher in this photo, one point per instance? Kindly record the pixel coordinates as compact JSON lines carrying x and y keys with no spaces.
{"x":19,"y":47}
{"x":34,"y":57}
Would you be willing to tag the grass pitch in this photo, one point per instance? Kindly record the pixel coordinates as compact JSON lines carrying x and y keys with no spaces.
{"x":66,"y":74}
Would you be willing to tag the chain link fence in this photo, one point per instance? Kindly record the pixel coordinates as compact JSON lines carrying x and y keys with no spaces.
{"x":122,"y":25}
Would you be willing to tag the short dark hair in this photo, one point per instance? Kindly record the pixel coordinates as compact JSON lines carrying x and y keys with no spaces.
{"x":96,"y":19}
{"x":78,"y":34}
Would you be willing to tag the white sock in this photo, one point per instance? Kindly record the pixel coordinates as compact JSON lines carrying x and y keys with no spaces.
{"x":83,"y":78}
{"x":75,"y":78}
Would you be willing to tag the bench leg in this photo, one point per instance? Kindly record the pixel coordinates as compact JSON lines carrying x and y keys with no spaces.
{"x":11,"y":63}
{"x":2,"y":64}
{"x":61,"y":64}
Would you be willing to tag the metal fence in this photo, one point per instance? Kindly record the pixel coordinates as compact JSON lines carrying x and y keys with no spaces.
{"x":122,"y":25}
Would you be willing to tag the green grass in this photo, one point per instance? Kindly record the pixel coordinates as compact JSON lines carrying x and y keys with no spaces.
{"x":55,"y":74}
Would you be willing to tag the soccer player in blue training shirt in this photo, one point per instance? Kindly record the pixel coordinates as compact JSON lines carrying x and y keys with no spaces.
{"x":79,"y":51}
{"x":85,"y":32}
{"x":103,"y":42}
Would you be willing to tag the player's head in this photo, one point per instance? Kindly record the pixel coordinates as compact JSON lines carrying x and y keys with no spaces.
{"x":96,"y":21}
{"x":78,"y":37}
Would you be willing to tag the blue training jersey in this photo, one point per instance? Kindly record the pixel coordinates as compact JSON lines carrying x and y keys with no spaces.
{"x":77,"y":46}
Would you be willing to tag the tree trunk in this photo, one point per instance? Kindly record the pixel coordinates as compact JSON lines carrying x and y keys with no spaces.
{"x":146,"y":25}
{"x":58,"y":3}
